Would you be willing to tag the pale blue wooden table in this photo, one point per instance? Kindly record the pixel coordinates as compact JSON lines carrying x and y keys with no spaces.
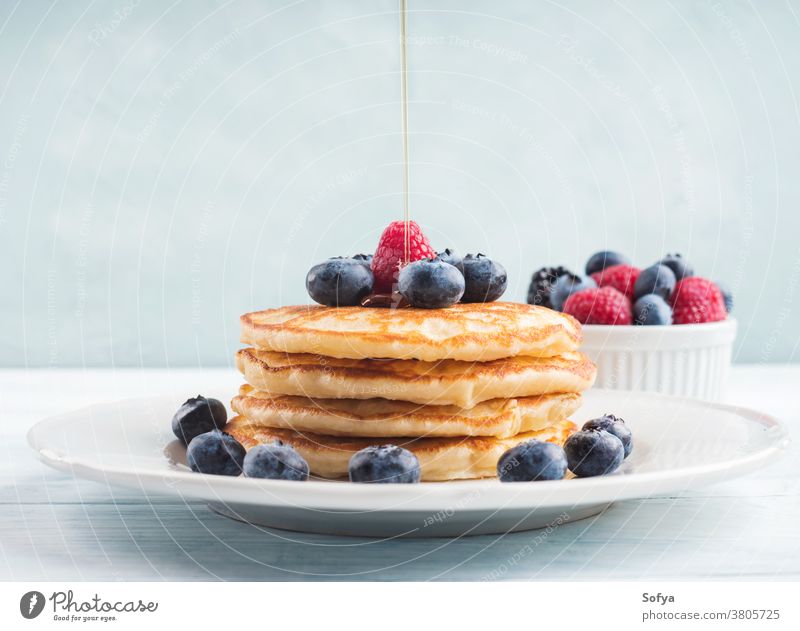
{"x":58,"y":528}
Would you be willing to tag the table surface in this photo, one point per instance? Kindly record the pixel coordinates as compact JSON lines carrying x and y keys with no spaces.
{"x":55,"y":527}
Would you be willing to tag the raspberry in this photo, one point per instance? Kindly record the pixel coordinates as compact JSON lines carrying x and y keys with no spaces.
{"x":390,"y":255}
{"x":620,"y":277}
{"x":695,"y":300}
{"x":599,"y":306}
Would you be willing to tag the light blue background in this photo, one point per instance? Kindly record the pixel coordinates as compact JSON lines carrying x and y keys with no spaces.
{"x":166,"y":166}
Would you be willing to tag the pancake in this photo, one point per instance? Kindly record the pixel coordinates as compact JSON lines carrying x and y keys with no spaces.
{"x":380,"y":417}
{"x":440,"y":458}
{"x":466,"y":332}
{"x":447,"y":382}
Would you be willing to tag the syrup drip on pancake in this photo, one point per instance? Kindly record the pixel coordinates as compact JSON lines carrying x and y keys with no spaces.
{"x":386,"y":301}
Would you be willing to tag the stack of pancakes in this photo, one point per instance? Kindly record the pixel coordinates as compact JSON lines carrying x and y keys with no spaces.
{"x":456,"y":386}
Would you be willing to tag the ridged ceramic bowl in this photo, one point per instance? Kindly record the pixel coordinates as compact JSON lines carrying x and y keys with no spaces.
{"x":691,"y":360}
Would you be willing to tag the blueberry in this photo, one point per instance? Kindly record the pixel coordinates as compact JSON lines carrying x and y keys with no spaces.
{"x":600,"y":260}
{"x":565,"y":286}
{"x":339,"y":282}
{"x":593,"y":452}
{"x":613,"y":425}
{"x":681,"y":268}
{"x":385,"y":464}
{"x":652,"y":310}
{"x":532,"y":460}
{"x":275,"y":461}
{"x":431,"y":284}
{"x":452,"y":257}
{"x":657,"y":279}
{"x":727,"y":296}
{"x":485,"y":280}
{"x":364,"y":259}
{"x":198,"y":416}
{"x":215,"y":452}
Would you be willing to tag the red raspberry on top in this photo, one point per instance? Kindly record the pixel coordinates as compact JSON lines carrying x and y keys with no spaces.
{"x":390,"y":255}
{"x":599,"y":306}
{"x":620,"y":277}
{"x":695,"y":300}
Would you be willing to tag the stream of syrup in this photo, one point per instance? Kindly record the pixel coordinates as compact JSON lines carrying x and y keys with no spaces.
{"x":395,"y":300}
{"x":404,"y":117}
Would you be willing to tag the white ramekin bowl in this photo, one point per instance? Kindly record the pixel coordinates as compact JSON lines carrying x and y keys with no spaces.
{"x":690,"y":360}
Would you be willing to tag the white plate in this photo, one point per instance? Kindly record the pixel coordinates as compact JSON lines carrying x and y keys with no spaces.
{"x":680,"y":444}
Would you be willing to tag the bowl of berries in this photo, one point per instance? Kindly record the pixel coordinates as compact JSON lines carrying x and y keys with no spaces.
{"x":660,"y":328}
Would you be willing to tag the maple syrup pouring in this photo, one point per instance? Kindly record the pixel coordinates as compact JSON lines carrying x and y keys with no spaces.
{"x":404,"y":116}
